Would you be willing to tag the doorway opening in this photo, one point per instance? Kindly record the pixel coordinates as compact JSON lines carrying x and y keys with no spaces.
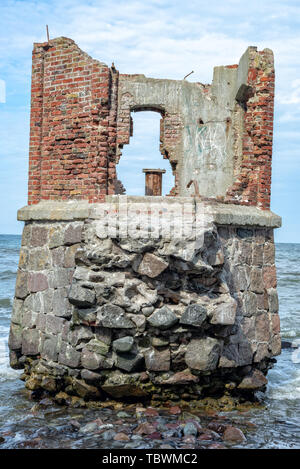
{"x":143,"y":152}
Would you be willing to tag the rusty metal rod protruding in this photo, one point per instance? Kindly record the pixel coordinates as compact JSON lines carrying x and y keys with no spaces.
{"x":196,"y":187}
{"x":153,"y":181}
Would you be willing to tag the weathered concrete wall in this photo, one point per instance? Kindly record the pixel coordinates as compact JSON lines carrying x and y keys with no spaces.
{"x":157,"y":317}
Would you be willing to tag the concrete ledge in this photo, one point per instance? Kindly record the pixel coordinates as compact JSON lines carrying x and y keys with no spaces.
{"x":221,"y":214}
{"x":55,"y":211}
{"x":242,"y":215}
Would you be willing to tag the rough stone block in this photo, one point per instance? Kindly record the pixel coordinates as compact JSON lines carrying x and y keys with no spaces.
{"x":94,"y":361}
{"x":50,"y":348}
{"x":269,"y":277}
{"x":39,"y":236}
{"x":68,"y":355}
{"x":30,"y":342}
{"x":203,"y":354}
{"x":256,"y":280}
{"x":253,"y":382}
{"x":273,"y":300}
{"x":21,"y":289}
{"x":249,"y":304}
{"x":58,"y":255}
{"x":69,"y":259}
{"x":124,"y":344}
{"x":163,"y":318}
{"x":54,"y":324}
{"x":151,"y":265}
{"x":224,"y":313}
{"x":269,"y":254}
{"x":113,"y":317}
{"x":194,"y":315}
{"x":80,"y":296}
{"x":262,"y":327}
{"x":73,"y":234}
{"x":56,"y":236}
{"x":61,"y":304}
{"x":80,"y":334}
{"x":158,"y":360}
{"x":37,"y":282}
{"x":15,"y":337}
{"x":17,"y":310}
{"x":129,"y":361}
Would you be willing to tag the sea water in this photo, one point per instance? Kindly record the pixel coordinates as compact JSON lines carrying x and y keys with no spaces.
{"x":277,"y":423}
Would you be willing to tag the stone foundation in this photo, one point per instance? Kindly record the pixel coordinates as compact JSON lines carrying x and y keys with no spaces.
{"x":145,"y":317}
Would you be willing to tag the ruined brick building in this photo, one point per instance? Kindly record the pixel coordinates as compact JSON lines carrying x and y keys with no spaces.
{"x":96,"y":316}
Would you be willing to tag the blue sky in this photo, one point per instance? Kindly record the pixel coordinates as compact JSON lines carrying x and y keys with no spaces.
{"x":163,"y":39}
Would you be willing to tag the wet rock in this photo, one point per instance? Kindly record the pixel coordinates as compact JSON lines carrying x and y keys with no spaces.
{"x":123,"y":345}
{"x":145,"y":429}
{"x":90,"y":376}
{"x":181,"y":377}
{"x":151,"y":265}
{"x":255,"y":381}
{"x":89,"y":428}
{"x":162,"y":318}
{"x":234,"y":434}
{"x":216,"y":446}
{"x":190,"y":429}
{"x":120,"y":384}
{"x":203,"y":354}
{"x":175,"y":410}
{"x":80,"y":296}
{"x":158,"y":360}
{"x":108,"y":435}
{"x":122,"y":415}
{"x":113,"y":317}
{"x":121,"y":437}
{"x":84,"y":390}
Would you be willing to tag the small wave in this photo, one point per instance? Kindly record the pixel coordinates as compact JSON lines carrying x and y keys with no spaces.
{"x":7,"y":274}
{"x":6,"y":373}
{"x":5,"y":302}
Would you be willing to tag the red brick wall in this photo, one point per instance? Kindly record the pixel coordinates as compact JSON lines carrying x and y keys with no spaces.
{"x":253,"y":183}
{"x":72,"y":131}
